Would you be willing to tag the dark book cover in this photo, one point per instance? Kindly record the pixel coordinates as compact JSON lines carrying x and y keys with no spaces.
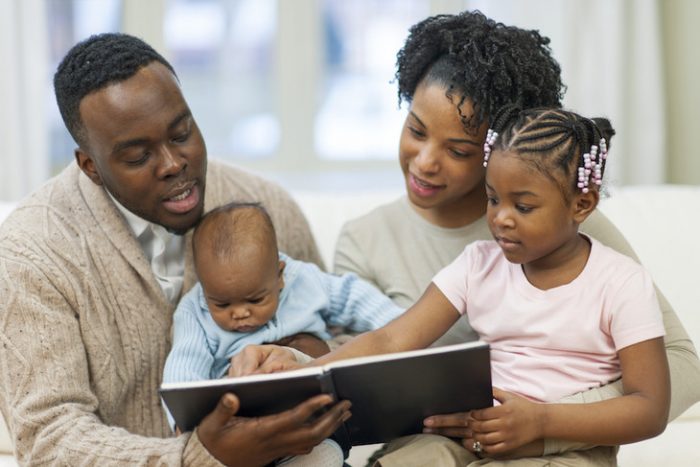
{"x":391,"y":393}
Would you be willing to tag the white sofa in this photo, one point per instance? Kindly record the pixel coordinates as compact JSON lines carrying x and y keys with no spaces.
{"x":660,"y":223}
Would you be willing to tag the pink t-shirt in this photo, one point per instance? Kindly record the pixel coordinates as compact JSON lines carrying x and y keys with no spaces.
{"x":547,"y":344}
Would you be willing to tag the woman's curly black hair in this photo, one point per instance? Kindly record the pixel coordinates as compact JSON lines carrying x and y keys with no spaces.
{"x":93,"y":64}
{"x":478,"y":59}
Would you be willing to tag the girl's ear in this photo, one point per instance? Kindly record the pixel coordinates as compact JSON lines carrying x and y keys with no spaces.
{"x":584,"y":204}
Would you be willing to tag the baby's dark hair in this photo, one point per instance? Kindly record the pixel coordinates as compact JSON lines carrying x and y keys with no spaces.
{"x":233,"y":224}
{"x":481,"y":60}
{"x":554,"y":141}
{"x":93,"y":64}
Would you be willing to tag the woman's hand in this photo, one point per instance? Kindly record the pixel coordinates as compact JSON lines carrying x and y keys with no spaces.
{"x":515,"y":423}
{"x":505,"y":431}
{"x":256,"y":359}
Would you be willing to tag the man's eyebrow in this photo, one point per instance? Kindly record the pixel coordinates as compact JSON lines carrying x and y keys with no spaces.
{"x":176,"y":121}
{"x":120,"y":146}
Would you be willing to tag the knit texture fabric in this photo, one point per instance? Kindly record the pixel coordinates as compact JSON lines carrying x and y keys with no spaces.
{"x":85,"y":327}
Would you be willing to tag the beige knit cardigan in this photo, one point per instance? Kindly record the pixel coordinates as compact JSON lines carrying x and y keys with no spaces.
{"x":85,"y":327}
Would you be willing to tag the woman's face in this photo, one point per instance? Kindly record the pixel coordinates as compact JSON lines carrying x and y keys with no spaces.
{"x":442,"y":163}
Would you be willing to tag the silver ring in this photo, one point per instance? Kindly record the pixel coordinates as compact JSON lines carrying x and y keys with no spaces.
{"x":476,"y":447}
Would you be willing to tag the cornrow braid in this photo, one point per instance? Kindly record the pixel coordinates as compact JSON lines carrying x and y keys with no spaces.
{"x":555,"y":140}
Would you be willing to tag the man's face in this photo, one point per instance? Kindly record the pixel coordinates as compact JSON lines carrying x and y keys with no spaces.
{"x":143,"y":145}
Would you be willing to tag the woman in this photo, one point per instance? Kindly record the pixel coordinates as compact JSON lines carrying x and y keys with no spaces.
{"x":455,"y":71}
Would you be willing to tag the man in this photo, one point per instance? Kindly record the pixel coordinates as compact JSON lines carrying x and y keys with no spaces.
{"x":93,"y":264}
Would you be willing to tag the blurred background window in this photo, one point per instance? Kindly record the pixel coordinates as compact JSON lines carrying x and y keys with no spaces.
{"x":223,"y":52}
{"x":70,"y":21}
{"x":303,"y":92}
{"x":358,"y":116}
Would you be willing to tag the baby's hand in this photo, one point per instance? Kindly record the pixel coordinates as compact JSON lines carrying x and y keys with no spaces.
{"x":504,"y":428}
{"x":256,"y":359}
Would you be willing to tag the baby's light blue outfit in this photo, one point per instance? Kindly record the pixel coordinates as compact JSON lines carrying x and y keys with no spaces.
{"x":310,"y":301}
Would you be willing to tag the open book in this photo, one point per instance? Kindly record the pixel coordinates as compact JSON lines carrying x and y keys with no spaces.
{"x":391,"y":394}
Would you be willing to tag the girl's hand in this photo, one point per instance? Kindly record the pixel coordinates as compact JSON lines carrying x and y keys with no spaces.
{"x":256,"y":359}
{"x":504,"y":428}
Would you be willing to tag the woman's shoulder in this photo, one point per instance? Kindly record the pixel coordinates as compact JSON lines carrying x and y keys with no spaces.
{"x":391,"y":213}
{"x":599,"y":227}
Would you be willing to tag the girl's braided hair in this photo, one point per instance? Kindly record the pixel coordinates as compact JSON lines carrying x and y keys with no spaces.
{"x":553,"y":140}
{"x":478,"y":59}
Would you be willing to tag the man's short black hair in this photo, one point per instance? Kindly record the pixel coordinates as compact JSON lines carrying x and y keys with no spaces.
{"x":93,"y":64}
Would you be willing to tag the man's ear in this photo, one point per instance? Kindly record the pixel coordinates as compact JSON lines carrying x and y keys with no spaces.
{"x":87,"y":165}
{"x":584,"y":204}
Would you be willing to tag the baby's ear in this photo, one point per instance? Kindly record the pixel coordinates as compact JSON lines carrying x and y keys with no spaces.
{"x":280,"y":276}
{"x":584,"y":204}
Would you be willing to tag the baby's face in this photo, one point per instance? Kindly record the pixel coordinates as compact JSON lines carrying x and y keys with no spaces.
{"x":242,"y":295}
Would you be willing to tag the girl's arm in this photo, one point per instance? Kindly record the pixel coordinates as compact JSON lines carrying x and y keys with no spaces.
{"x":639,"y":414}
{"x":417,"y":328}
{"x":421,"y":325}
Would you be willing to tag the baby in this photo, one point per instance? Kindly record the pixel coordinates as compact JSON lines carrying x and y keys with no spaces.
{"x":249,"y":293}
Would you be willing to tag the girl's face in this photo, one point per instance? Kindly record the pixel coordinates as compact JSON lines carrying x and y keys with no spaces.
{"x":527,"y":213}
{"x":441,"y":162}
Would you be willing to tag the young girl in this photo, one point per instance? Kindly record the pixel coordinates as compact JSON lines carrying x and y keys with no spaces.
{"x":562,"y":312}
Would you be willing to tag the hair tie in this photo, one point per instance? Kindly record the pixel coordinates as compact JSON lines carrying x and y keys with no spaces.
{"x":488,"y":144}
{"x":591,"y":170}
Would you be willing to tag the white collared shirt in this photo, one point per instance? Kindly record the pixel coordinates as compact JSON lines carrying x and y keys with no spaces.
{"x":163,"y":249}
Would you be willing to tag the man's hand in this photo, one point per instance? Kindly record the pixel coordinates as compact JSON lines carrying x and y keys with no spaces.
{"x":307,"y":343}
{"x":256,"y":359}
{"x":240,"y":441}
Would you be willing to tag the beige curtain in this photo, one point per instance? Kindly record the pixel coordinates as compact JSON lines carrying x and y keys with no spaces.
{"x":611,"y":57}
{"x":23,"y":97}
